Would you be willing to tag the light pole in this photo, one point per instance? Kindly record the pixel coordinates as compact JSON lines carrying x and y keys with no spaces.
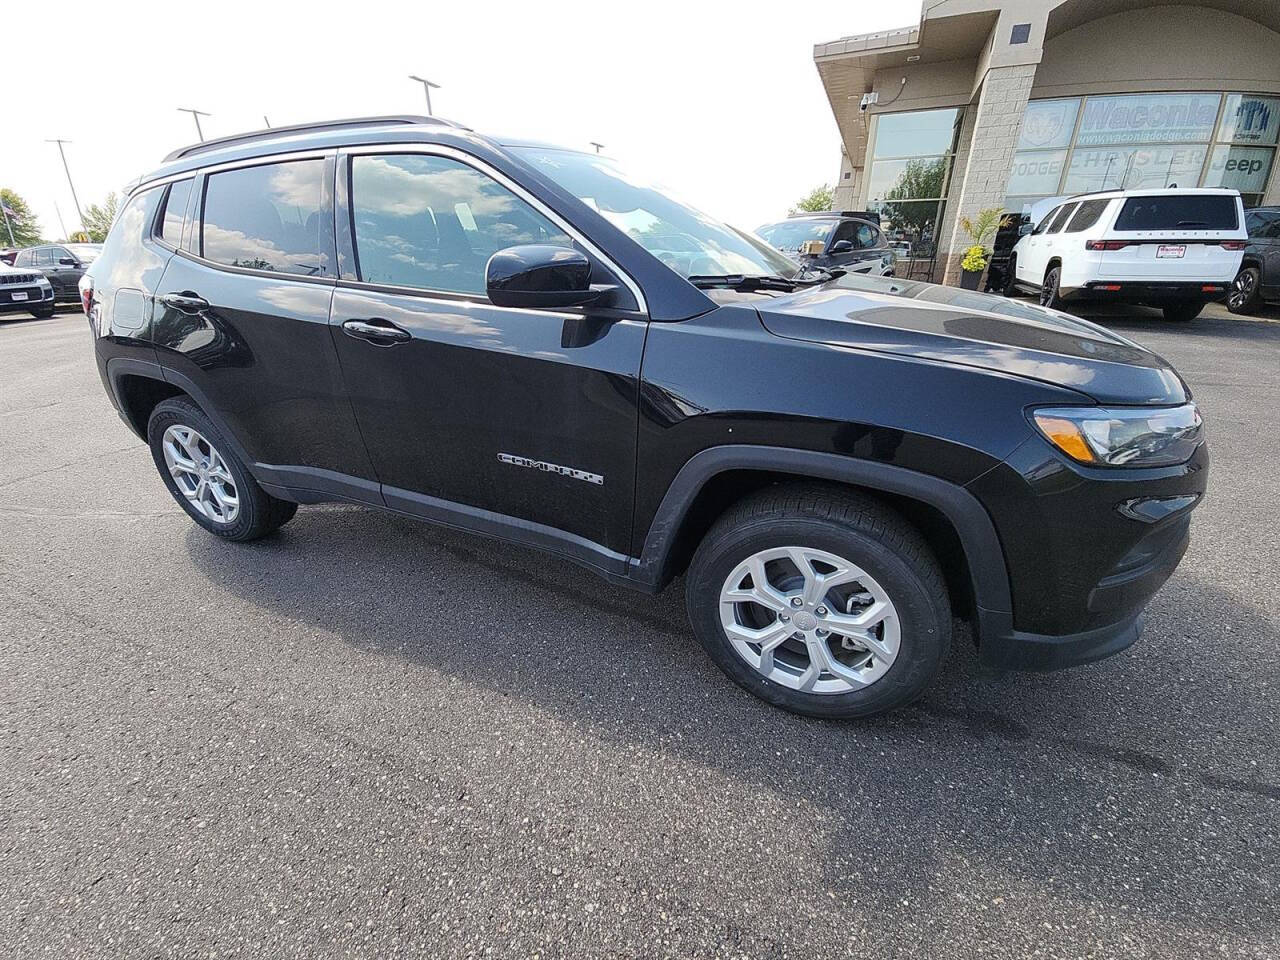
{"x":598,"y":146}
{"x":62,"y":153}
{"x":195,"y":115}
{"x":427,"y":87}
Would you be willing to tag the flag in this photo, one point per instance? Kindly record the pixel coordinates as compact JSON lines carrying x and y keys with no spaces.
{"x":10,"y":212}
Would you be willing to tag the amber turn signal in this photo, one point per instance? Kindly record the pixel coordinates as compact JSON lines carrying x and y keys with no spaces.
{"x":1066,"y":436}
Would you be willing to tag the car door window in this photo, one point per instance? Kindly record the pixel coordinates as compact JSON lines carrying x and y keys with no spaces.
{"x":1086,"y":215}
{"x":1044,"y":224}
{"x":23,"y":259}
{"x":866,"y":236}
{"x":847,"y":230}
{"x":267,"y":217}
{"x":175,"y":210}
{"x":41,"y":257}
{"x":433,"y":222}
{"x":1060,"y":220}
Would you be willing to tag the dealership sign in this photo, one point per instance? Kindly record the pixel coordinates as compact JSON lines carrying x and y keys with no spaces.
{"x":1250,"y":119}
{"x":1157,"y":118}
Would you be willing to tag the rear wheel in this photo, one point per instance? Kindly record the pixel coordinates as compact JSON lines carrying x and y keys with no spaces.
{"x":1050,"y":295}
{"x":821,"y":602}
{"x":206,"y":477}
{"x":1244,"y":291}
{"x":1183,"y":310}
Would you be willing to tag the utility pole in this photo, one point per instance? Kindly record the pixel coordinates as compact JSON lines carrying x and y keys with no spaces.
{"x":58,"y":210}
{"x":62,"y":153}
{"x":195,"y":115}
{"x":4,"y":208}
{"x":266,"y":121}
{"x":427,"y":87}
{"x":598,"y":146}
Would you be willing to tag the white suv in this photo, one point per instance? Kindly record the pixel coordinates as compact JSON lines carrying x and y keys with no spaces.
{"x":1173,"y":249}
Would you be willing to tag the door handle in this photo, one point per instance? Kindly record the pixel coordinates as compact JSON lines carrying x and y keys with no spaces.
{"x":381,"y":332}
{"x":185,"y":302}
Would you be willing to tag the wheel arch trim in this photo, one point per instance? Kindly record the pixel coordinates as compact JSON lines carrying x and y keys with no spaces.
{"x":983,"y":552}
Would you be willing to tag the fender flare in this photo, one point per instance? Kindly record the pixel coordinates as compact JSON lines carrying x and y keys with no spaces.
{"x":988,"y":572}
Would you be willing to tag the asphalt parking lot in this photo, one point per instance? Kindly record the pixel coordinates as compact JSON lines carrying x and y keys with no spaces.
{"x":368,"y":737}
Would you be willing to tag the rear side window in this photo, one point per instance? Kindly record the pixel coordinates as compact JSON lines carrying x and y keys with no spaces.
{"x":267,"y":217}
{"x":1086,"y":215}
{"x":175,"y":211}
{"x":1048,"y":221}
{"x":433,"y":222}
{"x":134,"y":222}
{"x":867,"y":236}
{"x":1179,"y":212}
{"x":23,"y":259}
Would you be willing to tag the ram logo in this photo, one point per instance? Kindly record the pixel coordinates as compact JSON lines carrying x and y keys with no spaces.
{"x":545,"y":467}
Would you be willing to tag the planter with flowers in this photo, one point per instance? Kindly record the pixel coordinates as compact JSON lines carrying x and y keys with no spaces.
{"x":976,"y":256}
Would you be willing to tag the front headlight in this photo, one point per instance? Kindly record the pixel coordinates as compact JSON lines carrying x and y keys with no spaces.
{"x":43,"y":282}
{"x":1123,"y":436}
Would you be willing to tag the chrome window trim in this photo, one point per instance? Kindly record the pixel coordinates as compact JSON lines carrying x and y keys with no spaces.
{"x":257,"y":161}
{"x":502,"y":179}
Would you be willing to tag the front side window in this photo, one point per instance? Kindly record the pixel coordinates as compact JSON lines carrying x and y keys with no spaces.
{"x":175,"y":211}
{"x":433,"y":222}
{"x":792,"y":235}
{"x":1087,"y":215}
{"x":686,"y":240}
{"x":267,"y":217}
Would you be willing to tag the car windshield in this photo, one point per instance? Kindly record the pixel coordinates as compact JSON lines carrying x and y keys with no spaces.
{"x":788,"y":235}
{"x":686,"y":240}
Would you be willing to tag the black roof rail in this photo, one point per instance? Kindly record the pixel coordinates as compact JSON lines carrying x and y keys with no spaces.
{"x":270,"y":132}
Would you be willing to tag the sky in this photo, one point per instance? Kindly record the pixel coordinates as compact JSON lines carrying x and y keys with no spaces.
{"x":720,"y":102}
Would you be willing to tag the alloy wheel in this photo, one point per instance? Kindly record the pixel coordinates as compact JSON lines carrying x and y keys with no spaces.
{"x":1242,"y":289}
{"x":200,"y":474}
{"x":1049,"y":289}
{"x":810,"y":620}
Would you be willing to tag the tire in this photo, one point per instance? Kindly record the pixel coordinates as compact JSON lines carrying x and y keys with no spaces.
{"x":1050,"y":295}
{"x":820,"y":521}
{"x":1011,"y":277}
{"x":1182,"y":311}
{"x":256,"y":513}
{"x":44,"y":313}
{"x":1243,"y":297}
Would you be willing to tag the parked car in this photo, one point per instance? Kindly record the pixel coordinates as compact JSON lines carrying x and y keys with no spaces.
{"x":8,"y":254}
{"x":63,"y":263}
{"x":488,"y":334}
{"x":25,"y":291}
{"x":848,"y":240}
{"x":1172,"y":249}
{"x":1259,"y":276}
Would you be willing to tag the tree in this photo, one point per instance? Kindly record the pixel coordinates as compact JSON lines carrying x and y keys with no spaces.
{"x":98,"y":219}
{"x":25,"y":226}
{"x":819,"y":198}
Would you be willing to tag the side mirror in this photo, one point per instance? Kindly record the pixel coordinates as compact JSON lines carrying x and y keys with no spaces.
{"x":68,"y":262}
{"x":540,"y":275}
{"x":1025,"y":229}
{"x":842,"y":246}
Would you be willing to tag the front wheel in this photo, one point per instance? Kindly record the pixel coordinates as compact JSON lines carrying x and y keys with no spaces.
{"x":205,"y":476}
{"x":1050,"y":294}
{"x":821,"y":602}
{"x":1182,"y":311}
{"x":1244,"y":291}
{"x":43,"y":313}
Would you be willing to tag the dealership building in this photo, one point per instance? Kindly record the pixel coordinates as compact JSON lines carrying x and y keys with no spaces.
{"x":987,"y":104}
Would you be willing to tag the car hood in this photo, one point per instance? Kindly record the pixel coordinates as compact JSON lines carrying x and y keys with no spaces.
{"x":950,"y":325}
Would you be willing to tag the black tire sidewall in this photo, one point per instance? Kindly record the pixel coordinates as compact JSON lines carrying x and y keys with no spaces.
{"x":254,"y":504}
{"x":924,"y":619}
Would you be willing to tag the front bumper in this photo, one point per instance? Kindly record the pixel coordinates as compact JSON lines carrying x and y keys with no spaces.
{"x":1149,"y":291}
{"x":1085,"y":548}
{"x":36,"y":297}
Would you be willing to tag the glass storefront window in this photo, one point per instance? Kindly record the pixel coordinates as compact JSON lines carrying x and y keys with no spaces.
{"x":1136,"y":141}
{"x":1048,"y":123}
{"x":1149,"y":118}
{"x":920,"y":179}
{"x":914,"y":222}
{"x":920,"y":133}
{"x":1134,"y":168}
{"x":1247,"y":119}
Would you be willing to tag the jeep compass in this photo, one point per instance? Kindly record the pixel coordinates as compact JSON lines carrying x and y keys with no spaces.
{"x":530,"y":343}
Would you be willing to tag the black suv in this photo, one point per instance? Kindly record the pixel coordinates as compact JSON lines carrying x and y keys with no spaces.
{"x":849,"y":240}
{"x":1259,"y":276}
{"x":63,"y":263}
{"x":526,"y":342}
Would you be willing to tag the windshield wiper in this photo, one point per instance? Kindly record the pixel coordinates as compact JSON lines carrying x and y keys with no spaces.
{"x":808,"y":276}
{"x":740,"y":281}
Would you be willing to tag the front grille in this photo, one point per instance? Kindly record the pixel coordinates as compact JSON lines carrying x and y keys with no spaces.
{"x":18,"y":278}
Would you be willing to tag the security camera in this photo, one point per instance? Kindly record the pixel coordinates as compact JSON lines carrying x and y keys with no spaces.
{"x":868,"y":99}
